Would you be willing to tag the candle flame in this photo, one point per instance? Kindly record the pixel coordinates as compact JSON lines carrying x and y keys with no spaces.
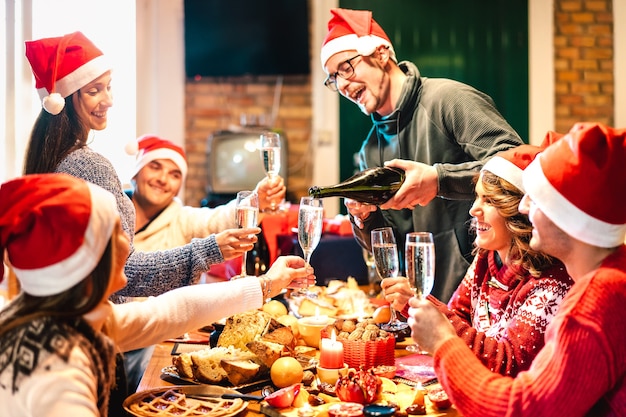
{"x":317,"y":311}
{"x":333,"y":336}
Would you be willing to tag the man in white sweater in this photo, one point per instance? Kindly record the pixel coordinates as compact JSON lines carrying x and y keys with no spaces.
{"x":162,"y":221}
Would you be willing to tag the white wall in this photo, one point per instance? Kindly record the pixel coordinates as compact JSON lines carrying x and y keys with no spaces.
{"x":111,"y":28}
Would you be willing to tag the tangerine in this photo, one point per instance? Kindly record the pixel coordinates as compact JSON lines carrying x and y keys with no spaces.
{"x":286,"y":371}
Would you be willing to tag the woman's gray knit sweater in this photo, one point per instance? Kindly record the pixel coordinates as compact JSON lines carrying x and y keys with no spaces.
{"x":149,"y":273}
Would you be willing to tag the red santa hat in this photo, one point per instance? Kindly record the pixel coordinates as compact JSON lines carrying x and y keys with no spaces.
{"x":579,"y":182}
{"x":54,"y":228}
{"x":148,"y":148}
{"x":63,"y":65}
{"x":510,"y":164}
{"x":353,"y":30}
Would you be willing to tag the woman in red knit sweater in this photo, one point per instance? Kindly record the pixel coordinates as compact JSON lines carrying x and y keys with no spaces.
{"x":510,"y":291}
{"x":577,"y":206}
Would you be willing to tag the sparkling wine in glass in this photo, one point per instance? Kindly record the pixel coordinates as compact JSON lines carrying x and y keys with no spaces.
{"x":247,"y":212}
{"x":270,"y":154}
{"x":310,"y":222}
{"x":420,"y":266}
{"x":385,"y":253}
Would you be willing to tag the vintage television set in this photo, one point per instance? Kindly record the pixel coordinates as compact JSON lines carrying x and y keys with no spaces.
{"x":234,"y":164}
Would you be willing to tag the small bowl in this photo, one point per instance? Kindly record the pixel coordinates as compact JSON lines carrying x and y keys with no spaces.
{"x":310,"y":329}
{"x":331,"y":375}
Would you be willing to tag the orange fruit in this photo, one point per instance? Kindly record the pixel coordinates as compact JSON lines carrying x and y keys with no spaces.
{"x":382,"y":314}
{"x":286,"y":371}
{"x":274,"y":308}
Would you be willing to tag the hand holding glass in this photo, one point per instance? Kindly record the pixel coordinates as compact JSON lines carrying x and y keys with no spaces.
{"x":270,"y":154}
{"x":310,"y":222}
{"x":247,"y":212}
{"x":385,"y":253}
{"x":420,"y":266}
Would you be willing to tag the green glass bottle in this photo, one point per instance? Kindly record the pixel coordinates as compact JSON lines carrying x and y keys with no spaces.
{"x":371,"y":186}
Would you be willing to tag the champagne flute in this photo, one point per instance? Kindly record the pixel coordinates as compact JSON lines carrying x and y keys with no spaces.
{"x":310,"y":222}
{"x":420,"y":267}
{"x":385,"y":253}
{"x":247,"y":212}
{"x":270,"y":154}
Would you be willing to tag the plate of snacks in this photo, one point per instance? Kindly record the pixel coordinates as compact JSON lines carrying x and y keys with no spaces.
{"x":245,"y":352}
{"x":338,"y":298}
{"x":187,"y":400}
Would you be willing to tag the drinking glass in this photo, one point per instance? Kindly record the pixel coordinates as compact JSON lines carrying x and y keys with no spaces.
{"x":420,"y":267}
{"x":372,"y":276}
{"x":270,"y":154}
{"x":247,"y":213}
{"x":310,"y":222}
{"x":385,"y":253}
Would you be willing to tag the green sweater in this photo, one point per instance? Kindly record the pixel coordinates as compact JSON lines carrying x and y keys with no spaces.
{"x":456,"y":128}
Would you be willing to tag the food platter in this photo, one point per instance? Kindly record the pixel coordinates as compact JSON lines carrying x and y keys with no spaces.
{"x":187,"y":400}
{"x":170,"y":372}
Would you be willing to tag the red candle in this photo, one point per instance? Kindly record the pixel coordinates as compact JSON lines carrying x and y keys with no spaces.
{"x":331,"y":353}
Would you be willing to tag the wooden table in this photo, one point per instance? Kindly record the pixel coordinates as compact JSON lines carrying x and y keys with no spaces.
{"x":161,"y":358}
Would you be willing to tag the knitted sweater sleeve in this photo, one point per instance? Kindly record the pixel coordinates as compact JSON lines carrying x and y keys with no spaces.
{"x":469,"y":118}
{"x":519,"y":336}
{"x":139,"y":324}
{"x":150,"y":273}
{"x":580,"y":370}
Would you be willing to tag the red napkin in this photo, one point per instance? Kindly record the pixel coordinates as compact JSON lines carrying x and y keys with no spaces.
{"x":416,"y":368}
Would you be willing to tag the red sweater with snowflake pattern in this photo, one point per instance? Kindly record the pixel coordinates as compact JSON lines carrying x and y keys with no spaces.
{"x":502,"y":315}
{"x":581,"y":371}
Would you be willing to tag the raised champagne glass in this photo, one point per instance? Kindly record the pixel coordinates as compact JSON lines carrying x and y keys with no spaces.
{"x":385,"y":253}
{"x":310,"y":222}
{"x":420,"y":267}
{"x":247,"y":212}
{"x":270,"y":154}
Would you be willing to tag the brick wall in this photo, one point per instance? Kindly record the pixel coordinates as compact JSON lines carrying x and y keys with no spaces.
{"x":214,"y":104}
{"x":584,"y":80}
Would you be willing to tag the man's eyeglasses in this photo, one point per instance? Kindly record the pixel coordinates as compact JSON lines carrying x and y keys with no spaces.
{"x":345,"y":71}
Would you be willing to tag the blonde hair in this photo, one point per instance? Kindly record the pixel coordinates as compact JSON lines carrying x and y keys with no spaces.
{"x":505,"y":198}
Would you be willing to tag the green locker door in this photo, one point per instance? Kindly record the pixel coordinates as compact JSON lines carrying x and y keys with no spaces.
{"x":483,"y":43}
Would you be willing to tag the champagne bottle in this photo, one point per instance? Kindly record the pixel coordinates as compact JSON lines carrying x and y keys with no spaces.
{"x":371,"y":186}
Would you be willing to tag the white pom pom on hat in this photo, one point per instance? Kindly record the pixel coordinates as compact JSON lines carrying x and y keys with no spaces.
{"x":62,"y":66}
{"x":53,"y":103}
{"x":132,"y":147}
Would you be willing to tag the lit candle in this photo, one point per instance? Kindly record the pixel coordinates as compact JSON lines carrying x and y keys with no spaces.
{"x":331,"y":352}
{"x":318,"y":319}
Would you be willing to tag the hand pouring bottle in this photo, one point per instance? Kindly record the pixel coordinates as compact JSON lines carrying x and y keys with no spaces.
{"x":371,"y":186}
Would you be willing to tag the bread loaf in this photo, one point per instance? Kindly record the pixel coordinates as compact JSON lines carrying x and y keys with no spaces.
{"x":183,"y":364}
{"x":240,"y":371}
{"x":207,"y":366}
{"x":267,"y":352}
{"x":282,"y":335}
{"x":243,"y":328}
